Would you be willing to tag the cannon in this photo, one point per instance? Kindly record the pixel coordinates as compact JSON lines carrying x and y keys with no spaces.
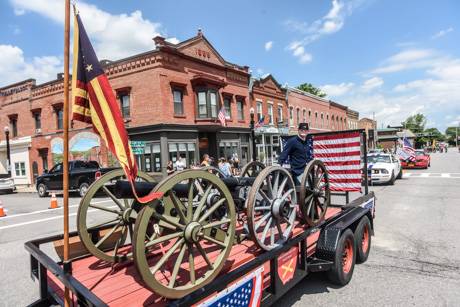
{"x":181,"y":241}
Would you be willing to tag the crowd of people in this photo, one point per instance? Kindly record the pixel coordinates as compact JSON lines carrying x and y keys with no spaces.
{"x":228,"y":166}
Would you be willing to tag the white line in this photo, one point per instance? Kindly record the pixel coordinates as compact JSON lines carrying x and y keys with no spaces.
{"x":445,"y":175}
{"x":46,"y":210}
{"x":424,"y":175}
{"x":47,"y":219}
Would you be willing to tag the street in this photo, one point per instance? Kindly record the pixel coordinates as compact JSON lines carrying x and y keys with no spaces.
{"x":415,"y":256}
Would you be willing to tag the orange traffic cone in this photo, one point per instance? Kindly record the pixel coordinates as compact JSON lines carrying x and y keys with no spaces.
{"x":54,"y":202}
{"x":2,"y":211}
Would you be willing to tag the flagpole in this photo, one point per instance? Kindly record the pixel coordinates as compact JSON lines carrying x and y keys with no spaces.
{"x":65,"y":161}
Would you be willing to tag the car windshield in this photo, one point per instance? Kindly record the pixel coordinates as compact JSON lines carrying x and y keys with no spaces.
{"x":378,"y":158}
{"x":419,"y":153}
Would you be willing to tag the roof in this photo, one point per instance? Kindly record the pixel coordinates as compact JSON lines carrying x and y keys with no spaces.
{"x":387,"y":130}
{"x":296,"y":90}
{"x":406,"y":133}
{"x":388,"y":137}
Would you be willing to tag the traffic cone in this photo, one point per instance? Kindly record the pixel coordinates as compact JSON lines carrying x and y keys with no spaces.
{"x":2,"y":211}
{"x":54,"y":202}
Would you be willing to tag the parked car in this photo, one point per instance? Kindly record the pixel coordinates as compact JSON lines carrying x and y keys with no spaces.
{"x":81,"y":175}
{"x":7,"y":184}
{"x":423,"y":160}
{"x":383,"y":168}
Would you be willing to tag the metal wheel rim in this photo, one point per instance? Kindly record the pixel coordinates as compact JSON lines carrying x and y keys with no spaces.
{"x":82,"y":214}
{"x":347,"y":256}
{"x":315,"y":194}
{"x":265,"y":195}
{"x":252,"y":169}
{"x":141,"y":257}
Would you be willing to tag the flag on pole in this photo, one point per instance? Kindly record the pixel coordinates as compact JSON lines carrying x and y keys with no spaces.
{"x":222,"y":116}
{"x":94,"y":102}
{"x":260,"y":123}
{"x":341,"y":154}
{"x":406,"y":151}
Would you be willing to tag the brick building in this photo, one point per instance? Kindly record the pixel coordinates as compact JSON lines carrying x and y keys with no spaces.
{"x":352,"y":119}
{"x":370,"y":127}
{"x":268,"y":100}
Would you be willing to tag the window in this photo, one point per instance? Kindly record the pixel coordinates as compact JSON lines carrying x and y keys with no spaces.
{"x":185,"y":150}
{"x":270,"y":114}
{"x":291,"y":116}
{"x":20,"y":168}
{"x":14,"y":126}
{"x":304,"y":115}
{"x":259,"y":110}
{"x":178,"y":102}
{"x":38,"y":120}
{"x":59,"y":119}
{"x":227,"y":107}
{"x":124,"y":104}
{"x":322,"y":120}
{"x":316,"y":119}
{"x":332,"y":122}
{"x":280,"y":114}
{"x":298,"y":116}
{"x":309,"y":117}
{"x":240,"y":107}
{"x":327,"y":120}
{"x":207,"y":103}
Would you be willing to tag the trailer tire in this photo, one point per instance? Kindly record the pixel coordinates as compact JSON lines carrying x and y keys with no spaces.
{"x":363,"y":240}
{"x":345,"y":258}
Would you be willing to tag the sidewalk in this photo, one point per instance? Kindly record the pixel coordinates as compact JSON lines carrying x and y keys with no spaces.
{"x":25,"y":189}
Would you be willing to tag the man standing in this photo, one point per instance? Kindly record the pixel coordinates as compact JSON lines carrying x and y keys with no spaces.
{"x":180,"y":164}
{"x":297,"y":150}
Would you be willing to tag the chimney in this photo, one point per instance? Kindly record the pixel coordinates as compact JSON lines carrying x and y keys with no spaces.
{"x":159,"y":41}
{"x":60,"y":76}
{"x":200,"y":32}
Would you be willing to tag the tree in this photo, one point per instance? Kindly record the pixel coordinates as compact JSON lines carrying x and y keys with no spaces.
{"x":451,"y":134}
{"x":434,"y":134}
{"x":310,"y":88}
{"x":416,"y":123}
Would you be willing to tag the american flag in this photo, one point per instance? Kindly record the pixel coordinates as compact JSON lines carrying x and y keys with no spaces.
{"x":245,"y":292}
{"x":222,"y":116}
{"x":260,"y":123}
{"x":341,"y":153}
{"x":408,"y":152}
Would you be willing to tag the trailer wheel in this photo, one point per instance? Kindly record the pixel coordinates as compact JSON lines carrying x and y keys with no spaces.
{"x":344,"y":262}
{"x":363,"y":240}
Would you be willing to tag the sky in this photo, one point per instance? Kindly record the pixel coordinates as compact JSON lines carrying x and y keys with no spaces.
{"x":386,"y":59}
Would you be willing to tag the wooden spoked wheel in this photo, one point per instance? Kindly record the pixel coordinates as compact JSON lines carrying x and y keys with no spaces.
{"x":198,"y":233}
{"x":252,"y":169}
{"x":213,"y":170}
{"x":271,"y":207}
{"x":315,"y":194}
{"x":99,"y":208}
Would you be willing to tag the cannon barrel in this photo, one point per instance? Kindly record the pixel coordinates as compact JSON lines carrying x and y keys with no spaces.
{"x":122,"y":188}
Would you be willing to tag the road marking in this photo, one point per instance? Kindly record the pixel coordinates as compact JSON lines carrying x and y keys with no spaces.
{"x":47,"y":210}
{"x":433,"y":175}
{"x":47,"y":219}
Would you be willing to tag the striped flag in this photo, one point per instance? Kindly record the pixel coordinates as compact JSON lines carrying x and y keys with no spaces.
{"x":93,"y":101}
{"x":341,"y":153}
{"x":222,"y":116}
{"x":260,"y":123}
{"x":408,"y":149}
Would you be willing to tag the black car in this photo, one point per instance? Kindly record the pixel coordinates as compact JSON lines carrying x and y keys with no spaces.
{"x":81,"y":175}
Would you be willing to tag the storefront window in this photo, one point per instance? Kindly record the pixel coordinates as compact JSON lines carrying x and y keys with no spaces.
{"x":185,"y":150}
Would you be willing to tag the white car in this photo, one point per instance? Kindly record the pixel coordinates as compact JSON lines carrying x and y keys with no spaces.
{"x":383,"y":168}
{"x":7,"y":185}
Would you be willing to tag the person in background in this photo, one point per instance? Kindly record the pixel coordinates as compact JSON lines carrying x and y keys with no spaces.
{"x":180,"y":164}
{"x":297,"y":150}
{"x":206,"y":161}
{"x":225,"y":167}
{"x":170,"y":168}
{"x":236,"y":164}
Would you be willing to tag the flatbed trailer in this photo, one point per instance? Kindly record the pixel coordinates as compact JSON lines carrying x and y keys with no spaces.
{"x":93,"y":282}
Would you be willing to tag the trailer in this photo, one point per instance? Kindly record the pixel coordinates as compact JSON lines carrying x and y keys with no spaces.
{"x":247,"y":270}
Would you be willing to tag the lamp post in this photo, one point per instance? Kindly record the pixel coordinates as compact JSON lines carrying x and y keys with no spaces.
{"x":8,"y":158}
{"x":253,"y":134}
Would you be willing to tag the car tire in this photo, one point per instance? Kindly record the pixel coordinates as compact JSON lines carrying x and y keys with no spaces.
{"x":400,"y":174}
{"x":345,"y":259}
{"x":83,"y":189}
{"x":363,"y":240}
{"x":42,"y":190}
{"x":392,"y":180}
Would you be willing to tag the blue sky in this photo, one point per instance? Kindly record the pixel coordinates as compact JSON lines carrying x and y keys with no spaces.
{"x":388,"y":58}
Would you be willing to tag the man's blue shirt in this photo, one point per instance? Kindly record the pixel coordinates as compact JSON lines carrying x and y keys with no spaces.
{"x":298,"y":152}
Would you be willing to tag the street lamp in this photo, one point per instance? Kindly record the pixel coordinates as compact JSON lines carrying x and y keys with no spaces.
{"x":8,"y":158}
{"x":253,"y":135}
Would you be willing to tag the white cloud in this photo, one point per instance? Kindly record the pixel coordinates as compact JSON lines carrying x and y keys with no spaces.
{"x":268,"y":45}
{"x":372,"y":83}
{"x":337,"y":89}
{"x":15,"y":67}
{"x":113,"y":36}
{"x":442,"y":33}
{"x":330,"y":23}
{"x":173,"y":40}
{"x":408,"y":59}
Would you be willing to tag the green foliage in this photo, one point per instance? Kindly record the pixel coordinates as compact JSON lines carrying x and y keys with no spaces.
{"x":310,"y":88}
{"x":416,"y":123}
{"x":451,"y":134}
{"x":434,"y":134}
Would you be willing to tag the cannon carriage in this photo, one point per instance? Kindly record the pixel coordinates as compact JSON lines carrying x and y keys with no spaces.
{"x":181,"y":241}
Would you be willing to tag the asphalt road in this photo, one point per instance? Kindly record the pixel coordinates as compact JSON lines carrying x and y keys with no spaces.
{"x":415,"y":256}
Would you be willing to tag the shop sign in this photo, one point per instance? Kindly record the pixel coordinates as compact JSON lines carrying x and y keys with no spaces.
{"x":138,"y":147}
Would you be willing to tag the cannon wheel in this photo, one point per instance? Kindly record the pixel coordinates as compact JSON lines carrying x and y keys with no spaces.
{"x":315,"y":194}
{"x":271,"y":207}
{"x":116,"y":215}
{"x":195,"y":242}
{"x":213,"y":170}
{"x":252,"y":169}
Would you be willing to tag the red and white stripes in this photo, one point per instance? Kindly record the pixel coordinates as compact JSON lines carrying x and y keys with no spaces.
{"x":341,"y":153}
